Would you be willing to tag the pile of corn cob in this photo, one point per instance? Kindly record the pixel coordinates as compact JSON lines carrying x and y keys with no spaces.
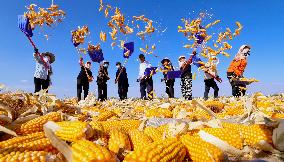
{"x":43,"y":128}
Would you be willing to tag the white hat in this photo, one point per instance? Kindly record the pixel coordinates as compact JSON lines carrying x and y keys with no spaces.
{"x":181,"y":57}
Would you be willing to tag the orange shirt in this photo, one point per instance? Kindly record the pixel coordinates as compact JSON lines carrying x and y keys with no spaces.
{"x":237,"y":66}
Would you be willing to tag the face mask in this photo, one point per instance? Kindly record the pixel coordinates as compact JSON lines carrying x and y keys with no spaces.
{"x":180,"y":63}
{"x":118,"y":67}
{"x":246,"y":51}
{"x":46,"y":59}
{"x":105,"y":65}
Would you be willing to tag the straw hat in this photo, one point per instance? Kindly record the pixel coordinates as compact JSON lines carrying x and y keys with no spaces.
{"x":51,"y":56}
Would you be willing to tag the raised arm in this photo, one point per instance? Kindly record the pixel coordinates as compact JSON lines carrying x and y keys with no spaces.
{"x":81,"y":62}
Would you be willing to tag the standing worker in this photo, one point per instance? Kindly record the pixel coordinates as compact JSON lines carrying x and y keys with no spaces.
{"x":236,"y":70}
{"x":85,"y":76}
{"x":169,"y":82}
{"x":146,"y":82}
{"x":43,"y":70}
{"x":102,"y":79}
{"x":209,"y":73}
{"x":122,"y":81}
{"x":186,"y":76}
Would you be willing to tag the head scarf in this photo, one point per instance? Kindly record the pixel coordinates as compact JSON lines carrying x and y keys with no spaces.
{"x":240,"y":54}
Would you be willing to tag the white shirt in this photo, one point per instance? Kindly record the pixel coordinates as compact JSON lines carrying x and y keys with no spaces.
{"x":142,"y":68}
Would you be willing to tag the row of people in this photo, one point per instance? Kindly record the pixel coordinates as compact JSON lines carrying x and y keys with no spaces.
{"x":236,"y":69}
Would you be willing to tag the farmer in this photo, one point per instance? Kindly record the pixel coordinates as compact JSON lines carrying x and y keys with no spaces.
{"x":186,"y":76}
{"x":122,"y":81}
{"x":210,"y":72}
{"x":146,"y":82}
{"x":43,"y":70}
{"x":85,"y":76}
{"x":102,"y":79}
{"x":236,"y":70}
{"x":169,"y":82}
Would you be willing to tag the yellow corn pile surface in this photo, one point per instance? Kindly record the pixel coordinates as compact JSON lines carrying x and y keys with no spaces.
{"x":160,"y":130}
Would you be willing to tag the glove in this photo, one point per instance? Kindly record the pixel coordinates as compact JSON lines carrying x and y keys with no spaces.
{"x":35,"y":50}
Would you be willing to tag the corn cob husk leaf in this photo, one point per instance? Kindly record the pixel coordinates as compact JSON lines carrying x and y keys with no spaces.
{"x":219,"y":143}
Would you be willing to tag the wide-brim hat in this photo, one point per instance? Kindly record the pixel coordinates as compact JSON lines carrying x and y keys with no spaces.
{"x":181,"y":57}
{"x":165,"y":59}
{"x":51,"y":56}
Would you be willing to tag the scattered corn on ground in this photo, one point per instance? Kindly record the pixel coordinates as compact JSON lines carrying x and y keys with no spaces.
{"x":134,"y":130}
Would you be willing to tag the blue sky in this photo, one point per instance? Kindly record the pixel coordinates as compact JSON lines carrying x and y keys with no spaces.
{"x":262,"y":20}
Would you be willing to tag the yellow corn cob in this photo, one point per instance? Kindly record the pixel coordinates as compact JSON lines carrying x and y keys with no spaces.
{"x":3,"y":113}
{"x":163,"y":128}
{"x":232,"y":137}
{"x":124,"y":124}
{"x":42,"y":144}
{"x":215,"y":106}
{"x":159,"y":112}
{"x":87,"y":151}
{"x":21,"y":139}
{"x":160,"y":151}
{"x":277,"y":115}
{"x":104,"y":116}
{"x":200,"y":150}
{"x":139,"y":139}
{"x":36,"y":125}
{"x":199,"y":114}
{"x":234,"y":110}
{"x":252,"y":134}
{"x":27,"y":156}
{"x":73,"y":130}
{"x":99,"y":133}
{"x":154,"y":133}
{"x":118,"y":140}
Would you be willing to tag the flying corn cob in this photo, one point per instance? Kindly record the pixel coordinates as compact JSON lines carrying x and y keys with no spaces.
{"x":200,"y":150}
{"x":119,"y":142}
{"x":103,"y":36}
{"x":139,"y":139}
{"x":73,"y":130}
{"x":36,"y":125}
{"x":21,"y":139}
{"x":160,"y":151}
{"x":87,"y":151}
{"x":154,"y":133}
{"x":28,"y":156}
{"x":104,"y":116}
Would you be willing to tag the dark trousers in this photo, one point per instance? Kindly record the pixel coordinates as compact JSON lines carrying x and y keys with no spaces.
{"x":186,"y":87}
{"x":40,"y":84}
{"x":82,"y":84}
{"x":210,"y":83}
{"x":146,"y":84}
{"x":170,"y":88}
{"x":102,"y":91}
{"x":236,"y":88}
{"x":122,"y":91}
